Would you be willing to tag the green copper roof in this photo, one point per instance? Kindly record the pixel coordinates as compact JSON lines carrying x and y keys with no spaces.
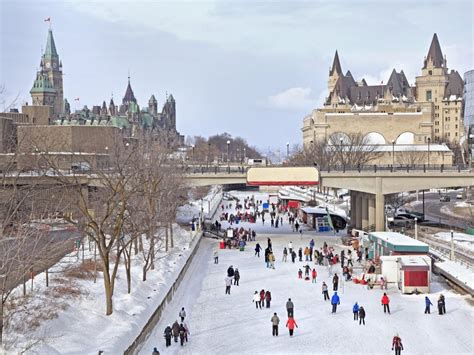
{"x":146,"y":120}
{"x":42,"y":84}
{"x":119,"y":121}
{"x":133,"y":107}
{"x":50,"y":50}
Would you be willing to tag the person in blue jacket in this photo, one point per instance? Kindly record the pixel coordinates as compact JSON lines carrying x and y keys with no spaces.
{"x":355,"y":310}
{"x":428,"y":304}
{"x":335,"y":301}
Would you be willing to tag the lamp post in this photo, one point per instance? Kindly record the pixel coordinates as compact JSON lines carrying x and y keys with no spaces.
{"x":245,"y":155}
{"x":451,"y":256}
{"x":228,"y":161}
{"x":287,"y":150}
{"x":393,"y":152}
{"x":429,"y":141}
{"x":416,"y":228}
{"x":192,"y":146}
{"x":341,"y":141}
{"x":208,"y":154}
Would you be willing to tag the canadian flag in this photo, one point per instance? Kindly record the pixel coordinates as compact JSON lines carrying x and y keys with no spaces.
{"x":76,"y":99}
{"x":47,"y":19}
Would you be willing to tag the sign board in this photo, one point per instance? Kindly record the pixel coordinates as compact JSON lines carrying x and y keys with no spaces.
{"x":282,"y":176}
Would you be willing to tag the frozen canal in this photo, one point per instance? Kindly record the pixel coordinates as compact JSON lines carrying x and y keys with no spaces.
{"x":221,"y":324}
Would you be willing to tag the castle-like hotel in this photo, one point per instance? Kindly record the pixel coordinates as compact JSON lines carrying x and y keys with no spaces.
{"x":395,"y":112}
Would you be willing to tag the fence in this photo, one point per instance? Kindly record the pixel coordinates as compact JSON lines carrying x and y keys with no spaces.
{"x":156,"y":316}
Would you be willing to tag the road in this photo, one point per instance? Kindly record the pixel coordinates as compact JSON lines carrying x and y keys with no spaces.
{"x":433,"y":209}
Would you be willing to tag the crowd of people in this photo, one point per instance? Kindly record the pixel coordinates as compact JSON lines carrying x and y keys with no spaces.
{"x":304,"y":255}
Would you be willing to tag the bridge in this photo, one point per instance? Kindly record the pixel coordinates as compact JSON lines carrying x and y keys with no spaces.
{"x":368,"y":185}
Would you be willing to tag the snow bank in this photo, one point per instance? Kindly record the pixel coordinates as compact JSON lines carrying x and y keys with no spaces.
{"x":462,"y":239}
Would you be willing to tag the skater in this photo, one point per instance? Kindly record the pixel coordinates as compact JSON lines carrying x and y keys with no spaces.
{"x":236,"y":277}
{"x":256,"y":299}
{"x":272,"y":222}
{"x":155,"y":351}
{"x":168,"y":332}
{"x":175,"y":331}
{"x":182,"y":314}
{"x":216,"y":257}
{"x":271,"y":260}
{"x":386,"y":303}
{"x":293,"y":256}
{"x":335,"y":301}
{"x":335,"y":282}
{"x":275,"y":321}
{"x":325,"y":291}
{"x":257,"y":249}
{"x":228,"y":283}
{"x":306,"y":254}
{"x":297,"y":226}
{"x":361,"y":315}
{"x":230,"y":271}
{"x":291,"y":324}
{"x":300,"y":254}
{"x":397,"y":344}
{"x":268,"y":298}
{"x":182,"y":334}
{"x":300,"y":274}
{"x":307,"y":269}
{"x":289,"y":307}
{"x":428,"y":304}
{"x":441,"y":305}
{"x":285,"y":254}
{"x":262,"y":298}
{"x":269,"y":241}
{"x":290,"y":247}
{"x":355,"y":310}
{"x":313,"y":275}
{"x":342,"y":259}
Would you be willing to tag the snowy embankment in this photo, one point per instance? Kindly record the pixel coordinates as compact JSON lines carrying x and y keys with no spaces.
{"x":207,"y":204}
{"x":69,"y":315}
{"x":463,"y":274}
{"x":461,"y":239}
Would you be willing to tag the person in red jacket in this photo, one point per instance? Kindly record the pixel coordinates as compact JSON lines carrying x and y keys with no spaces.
{"x":313,"y":275}
{"x":385,"y":303}
{"x":268,"y":298}
{"x":291,"y":324}
{"x":262,"y":297}
{"x":397,"y":344}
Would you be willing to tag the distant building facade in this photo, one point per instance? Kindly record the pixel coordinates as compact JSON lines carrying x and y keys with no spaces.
{"x":393,"y":112}
{"x":469,"y":112}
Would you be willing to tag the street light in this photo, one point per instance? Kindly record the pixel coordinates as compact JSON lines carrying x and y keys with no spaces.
{"x":287,"y":150}
{"x":451,"y":256}
{"x":192,"y":146}
{"x":228,"y":162}
{"x":416,"y":228}
{"x":393,"y":152}
{"x":429,"y":141}
{"x":208,"y":154}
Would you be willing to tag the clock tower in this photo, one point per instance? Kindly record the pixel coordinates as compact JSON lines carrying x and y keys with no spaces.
{"x":51,"y":68}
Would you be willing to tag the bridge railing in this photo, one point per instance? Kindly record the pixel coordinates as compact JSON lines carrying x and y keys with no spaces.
{"x":395,"y":168}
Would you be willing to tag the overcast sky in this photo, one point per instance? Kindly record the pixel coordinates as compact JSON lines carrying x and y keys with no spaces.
{"x":253,"y":69}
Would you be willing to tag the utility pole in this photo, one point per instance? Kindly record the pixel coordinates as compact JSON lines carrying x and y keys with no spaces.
{"x":451,"y":256}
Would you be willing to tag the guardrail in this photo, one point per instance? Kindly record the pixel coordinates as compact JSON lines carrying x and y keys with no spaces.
{"x":395,"y":168}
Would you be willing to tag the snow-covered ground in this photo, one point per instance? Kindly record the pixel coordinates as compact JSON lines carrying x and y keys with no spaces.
{"x":229,"y":324}
{"x":82,"y":326}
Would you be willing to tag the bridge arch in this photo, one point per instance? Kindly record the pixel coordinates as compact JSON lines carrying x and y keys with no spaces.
{"x":374,"y":138}
{"x":406,"y":138}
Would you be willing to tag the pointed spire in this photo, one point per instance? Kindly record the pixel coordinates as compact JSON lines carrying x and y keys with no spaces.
{"x":434,"y":53}
{"x":50,"y":50}
{"x":336,"y":65}
{"x":129,"y":96}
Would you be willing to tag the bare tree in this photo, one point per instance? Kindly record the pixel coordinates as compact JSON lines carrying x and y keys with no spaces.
{"x":411,"y":158}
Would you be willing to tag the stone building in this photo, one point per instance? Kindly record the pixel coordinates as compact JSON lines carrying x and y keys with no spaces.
{"x":48,"y":86}
{"x":395,"y":112}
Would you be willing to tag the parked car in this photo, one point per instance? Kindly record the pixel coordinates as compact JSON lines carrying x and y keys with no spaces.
{"x":459,"y":196}
{"x":412,"y":215}
{"x":399,"y":221}
{"x":445,"y":198}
